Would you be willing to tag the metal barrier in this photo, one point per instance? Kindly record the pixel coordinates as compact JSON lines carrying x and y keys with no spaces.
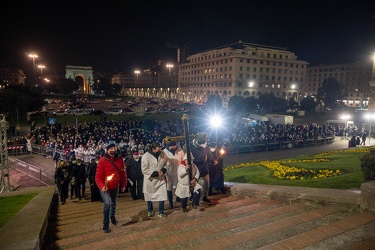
{"x":32,"y":171}
{"x":16,"y":149}
{"x":259,"y":147}
{"x":235,"y":148}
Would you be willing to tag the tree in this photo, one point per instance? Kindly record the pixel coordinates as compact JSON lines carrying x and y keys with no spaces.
{"x":214,"y":103}
{"x":308,"y":103}
{"x":66,"y":86}
{"x":267,"y":101}
{"x":236,"y":104}
{"x":330,"y":92}
{"x":21,"y":99}
{"x":251,"y":104}
{"x":293,"y":104}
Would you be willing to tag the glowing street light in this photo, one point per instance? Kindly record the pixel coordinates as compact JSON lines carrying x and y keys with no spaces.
{"x":33,"y":56}
{"x":137,"y":72}
{"x":169,"y":66}
{"x":41,"y":69}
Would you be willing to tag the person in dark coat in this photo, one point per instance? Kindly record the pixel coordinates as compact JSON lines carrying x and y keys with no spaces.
{"x":135,"y":175}
{"x":216,"y":165}
{"x":80,"y":174}
{"x":62,"y":181}
{"x":364,"y":136}
{"x":95,"y":192}
{"x":72,"y":165}
{"x":201,"y":157}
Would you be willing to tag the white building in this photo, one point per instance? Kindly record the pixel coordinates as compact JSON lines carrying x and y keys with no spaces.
{"x":241,"y":69}
{"x":11,"y":76}
{"x":355,"y":78}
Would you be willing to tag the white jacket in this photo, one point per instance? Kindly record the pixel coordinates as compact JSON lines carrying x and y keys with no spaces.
{"x":154,"y":188}
{"x":183,"y":186}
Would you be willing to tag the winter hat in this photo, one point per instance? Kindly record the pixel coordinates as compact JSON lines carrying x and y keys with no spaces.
{"x":201,"y":138}
{"x":111,"y":144}
{"x":171,"y":144}
{"x":135,"y":153}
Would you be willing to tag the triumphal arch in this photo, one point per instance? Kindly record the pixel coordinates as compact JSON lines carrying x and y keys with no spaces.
{"x":84,"y":72}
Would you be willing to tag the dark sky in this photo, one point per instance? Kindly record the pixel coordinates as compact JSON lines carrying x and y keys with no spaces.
{"x":112,"y":36}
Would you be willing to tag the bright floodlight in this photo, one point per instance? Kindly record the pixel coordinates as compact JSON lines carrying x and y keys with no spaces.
{"x":216,"y":121}
{"x":345,"y":117}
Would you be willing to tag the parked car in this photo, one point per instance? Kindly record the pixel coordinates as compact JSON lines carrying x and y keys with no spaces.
{"x":60,"y":112}
{"x":150,"y":110}
{"x":88,"y":110}
{"x":113,"y":112}
{"x":97,"y":112}
{"x":78,"y":112}
{"x":163,"y":111}
{"x":115,"y":107}
{"x":40,"y":113}
{"x":127,"y":111}
{"x":51,"y":110}
{"x":133,"y":104}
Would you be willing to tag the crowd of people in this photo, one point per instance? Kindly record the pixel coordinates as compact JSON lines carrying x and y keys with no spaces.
{"x":88,"y":139}
{"x":132,"y":155}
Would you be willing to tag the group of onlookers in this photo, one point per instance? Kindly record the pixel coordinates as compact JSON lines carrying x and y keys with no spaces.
{"x":161,"y":174}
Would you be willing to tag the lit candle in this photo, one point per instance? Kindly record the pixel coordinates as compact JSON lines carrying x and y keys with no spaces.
{"x":108,"y":179}
{"x":222,"y":151}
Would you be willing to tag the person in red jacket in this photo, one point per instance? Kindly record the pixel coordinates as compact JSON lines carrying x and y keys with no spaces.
{"x":110,"y":177}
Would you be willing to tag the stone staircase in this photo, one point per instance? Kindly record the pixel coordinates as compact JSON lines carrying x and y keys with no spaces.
{"x":231,"y":222}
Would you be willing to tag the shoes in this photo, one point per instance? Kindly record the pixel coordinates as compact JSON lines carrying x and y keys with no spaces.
{"x":206,"y":200}
{"x":199,"y":208}
{"x":150,"y":214}
{"x":113,"y":220}
{"x":162,"y":215}
{"x":106,"y":228}
{"x":184,"y":210}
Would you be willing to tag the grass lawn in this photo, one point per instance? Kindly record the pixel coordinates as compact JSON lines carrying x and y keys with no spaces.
{"x":11,"y":205}
{"x":336,"y":169}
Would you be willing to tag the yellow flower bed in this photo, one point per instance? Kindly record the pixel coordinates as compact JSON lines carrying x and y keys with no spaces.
{"x":291,"y":173}
{"x":353,"y":150}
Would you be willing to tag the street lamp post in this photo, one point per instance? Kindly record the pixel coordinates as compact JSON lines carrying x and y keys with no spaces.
{"x":41,"y":69}
{"x":169,"y":66}
{"x":33,"y":56}
{"x":137,"y":73}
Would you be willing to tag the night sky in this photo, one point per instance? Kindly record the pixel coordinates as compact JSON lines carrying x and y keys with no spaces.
{"x":113,"y":37}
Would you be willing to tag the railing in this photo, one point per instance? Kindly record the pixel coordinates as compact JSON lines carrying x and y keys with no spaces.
{"x":32,"y":171}
{"x":239,"y":148}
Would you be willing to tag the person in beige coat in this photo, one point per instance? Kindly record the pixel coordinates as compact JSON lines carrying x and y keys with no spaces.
{"x":173,"y":151}
{"x":184,"y":185}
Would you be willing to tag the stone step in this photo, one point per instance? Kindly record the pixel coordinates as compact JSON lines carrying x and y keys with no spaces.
{"x":231,"y":222}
